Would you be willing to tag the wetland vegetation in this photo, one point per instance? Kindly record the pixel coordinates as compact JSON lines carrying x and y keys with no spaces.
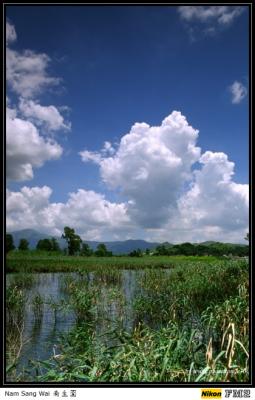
{"x":126,"y":319}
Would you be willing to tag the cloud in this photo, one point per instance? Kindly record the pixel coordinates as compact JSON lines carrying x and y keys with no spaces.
{"x":93,"y":156}
{"x":222,"y":15}
{"x":153,"y":167}
{"x":214,"y":201}
{"x":11,"y":35}
{"x":25,"y":148}
{"x":28,"y":199}
{"x":26,"y":71}
{"x":208,"y":21}
{"x":150,"y":167}
{"x":213,"y":207}
{"x":238,"y":91}
{"x":97,"y":156}
{"x":24,"y":208}
{"x":46,"y":116}
{"x":108,"y":148}
{"x":88,"y":212}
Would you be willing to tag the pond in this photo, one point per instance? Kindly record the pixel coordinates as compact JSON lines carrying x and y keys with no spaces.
{"x":47,"y":315}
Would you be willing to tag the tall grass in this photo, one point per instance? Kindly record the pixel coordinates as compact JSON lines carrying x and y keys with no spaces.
{"x":185,"y":291}
{"x":43,"y":262}
{"x":22,"y":280}
{"x":16,"y":300}
{"x":168,"y":354}
{"x":15,"y":303}
{"x":107,"y":275}
{"x":37,"y":306}
{"x":82,"y":296}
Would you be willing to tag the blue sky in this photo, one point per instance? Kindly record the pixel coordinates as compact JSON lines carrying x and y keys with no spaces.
{"x":119,"y":65}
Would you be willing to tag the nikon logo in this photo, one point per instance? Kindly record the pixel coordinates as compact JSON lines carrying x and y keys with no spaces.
{"x":211,"y":393}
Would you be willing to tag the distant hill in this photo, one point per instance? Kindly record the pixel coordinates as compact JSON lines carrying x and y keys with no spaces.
{"x":117,"y":247}
{"x":211,"y":242}
{"x":125,"y":246}
{"x":207,"y":243}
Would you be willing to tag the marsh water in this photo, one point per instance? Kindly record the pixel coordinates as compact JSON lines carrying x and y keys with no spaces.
{"x":43,"y":329}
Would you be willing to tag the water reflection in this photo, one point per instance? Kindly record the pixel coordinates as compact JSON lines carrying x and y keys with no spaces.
{"x":47,"y":315}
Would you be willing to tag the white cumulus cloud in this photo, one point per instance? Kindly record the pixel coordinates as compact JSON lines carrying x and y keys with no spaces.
{"x":150,"y":166}
{"x":26,"y":72}
{"x":25,"y":148}
{"x":215,"y":201}
{"x":88,"y":212}
{"x":166,"y":198}
{"x":23,"y":208}
{"x":213,"y":208}
{"x":47,"y":116}
{"x":153,"y":168}
{"x":238,"y":92}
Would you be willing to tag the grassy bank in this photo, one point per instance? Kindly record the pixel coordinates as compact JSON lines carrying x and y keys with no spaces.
{"x":34,"y":261}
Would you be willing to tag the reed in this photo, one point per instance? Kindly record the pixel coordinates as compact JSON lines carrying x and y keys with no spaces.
{"x":192,"y":325}
{"x":107,"y":275}
{"x":37,"y":307}
{"x":34,"y":262}
{"x":146,"y":355}
{"x":15,"y":303}
{"x":82,"y":296}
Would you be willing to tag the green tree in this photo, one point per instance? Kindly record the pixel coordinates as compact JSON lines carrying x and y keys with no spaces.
{"x":9,"y":244}
{"x":161,"y":250}
{"x":215,"y":250}
{"x":173,"y":250}
{"x":48,"y":245}
{"x":44,"y":244}
{"x":23,"y":244}
{"x":86,"y":250}
{"x":102,"y":251}
{"x":136,"y":253}
{"x":54,"y":244}
{"x":72,"y":239}
{"x":201,"y":250}
{"x":187,"y":249}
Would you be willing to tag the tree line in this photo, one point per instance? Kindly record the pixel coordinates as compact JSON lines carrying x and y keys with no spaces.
{"x":213,"y":249}
{"x":75,"y":246}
